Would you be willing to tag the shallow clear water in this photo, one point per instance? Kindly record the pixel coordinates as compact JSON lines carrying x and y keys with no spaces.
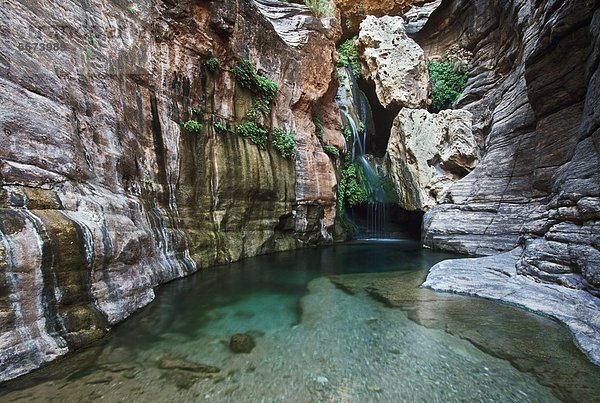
{"x":344,"y":323}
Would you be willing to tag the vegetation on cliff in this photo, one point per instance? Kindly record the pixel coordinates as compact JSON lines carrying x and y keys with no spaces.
{"x":349,"y":56}
{"x":257,"y":134}
{"x":449,"y":77}
{"x":192,"y":126}
{"x":284,"y":142}
{"x":351,"y":187}
{"x":320,"y":8}
{"x":213,"y":64}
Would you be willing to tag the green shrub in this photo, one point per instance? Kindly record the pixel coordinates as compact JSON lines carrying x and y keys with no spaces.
{"x":284,"y":142}
{"x":267,"y":89}
{"x":331,"y":150}
{"x":193,"y":126}
{"x":220,"y":127}
{"x":264,"y":89}
{"x":319,"y":130}
{"x":254,"y":132}
{"x":447,"y":84}
{"x":348,"y":135}
{"x":349,"y":56}
{"x":244,"y":73}
{"x":246,"y":76}
{"x":320,"y":8}
{"x":361,"y":126}
{"x":351,"y":188}
{"x":213,"y":64}
{"x":197,"y":110}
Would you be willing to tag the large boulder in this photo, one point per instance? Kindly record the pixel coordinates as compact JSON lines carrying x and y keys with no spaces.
{"x":394,"y":62}
{"x":427,"y":153}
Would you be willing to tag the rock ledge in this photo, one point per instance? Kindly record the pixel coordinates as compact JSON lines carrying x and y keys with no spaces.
{"x":496,"y":278}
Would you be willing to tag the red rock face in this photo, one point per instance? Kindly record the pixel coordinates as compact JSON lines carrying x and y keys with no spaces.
{"x":97,"y":171}
{"x":353,"y":12}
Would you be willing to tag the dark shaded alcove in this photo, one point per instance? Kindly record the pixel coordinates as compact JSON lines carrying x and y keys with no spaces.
{"x":382,"y":119}
{"x":397,"y":222}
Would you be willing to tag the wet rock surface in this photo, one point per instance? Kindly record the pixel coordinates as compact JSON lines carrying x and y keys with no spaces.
{"x":496,"y":277}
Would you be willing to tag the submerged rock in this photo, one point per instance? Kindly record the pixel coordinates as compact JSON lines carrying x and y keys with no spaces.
{"x":181,"y":364}
{"x":181,"y":379}
{"x":241,"y":343}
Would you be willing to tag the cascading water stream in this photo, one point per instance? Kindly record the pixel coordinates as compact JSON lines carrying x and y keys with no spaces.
{"x":377,"y":209}
{"x":351,"y":98}
{"x":356,"y":137}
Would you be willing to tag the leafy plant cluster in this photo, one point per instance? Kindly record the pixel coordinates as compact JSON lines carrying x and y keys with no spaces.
{"x":193,"y":126}
{"x":351,"y":187}
{"x":319,"y":130}
{"x":448,"y":83}
{"x":264,"y":91}
{"x":257,"y":134}
{"x":331,"y":150}
{"x":220,"y":127}
{"x":320,"y":133}
{"x":347,"y":132}
{"x":284,"y":142}
{"x":320,"y":8}
{"x":349,"y":56}
{"x":246,"y":76}
{"x":213,"y":64}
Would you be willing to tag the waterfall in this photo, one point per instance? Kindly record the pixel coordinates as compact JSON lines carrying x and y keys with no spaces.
{"x":377,"y":220}
{"x":356,"y":136}
{"x":351,"y":98}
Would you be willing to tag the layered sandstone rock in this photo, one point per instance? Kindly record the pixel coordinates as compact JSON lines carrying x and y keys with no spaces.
{"x":104,"y":195}
{"x":427,"y":153}
{"x":533,"y":92}
{"x":394,"y":62}
{"x":538,"y":113}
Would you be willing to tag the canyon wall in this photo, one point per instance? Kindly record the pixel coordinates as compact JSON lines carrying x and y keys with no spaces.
{"x":103,"y":195}
{"x":533,"y":92}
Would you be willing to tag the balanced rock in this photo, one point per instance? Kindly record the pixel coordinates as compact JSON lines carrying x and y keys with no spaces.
{"x":394,"y":62}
